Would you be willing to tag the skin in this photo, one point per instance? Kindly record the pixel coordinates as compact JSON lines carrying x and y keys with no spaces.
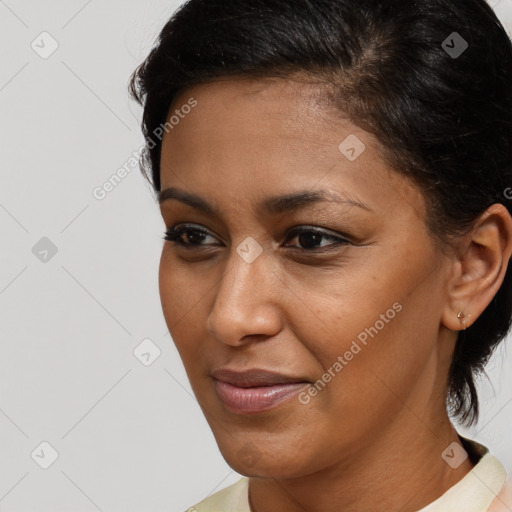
{"x":379,"y":423}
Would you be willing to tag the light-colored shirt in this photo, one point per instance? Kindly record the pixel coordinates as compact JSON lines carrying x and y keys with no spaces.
{"x":484,"y":489}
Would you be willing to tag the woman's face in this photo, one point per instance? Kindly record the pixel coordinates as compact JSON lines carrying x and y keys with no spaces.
{"x":348,"y":313}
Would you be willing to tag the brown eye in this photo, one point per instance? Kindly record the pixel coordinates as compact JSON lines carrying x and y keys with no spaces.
{"x":310,"y":239}
{"x":187,"y":236}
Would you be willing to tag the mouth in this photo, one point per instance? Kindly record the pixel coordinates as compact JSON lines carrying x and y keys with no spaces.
{"x":255,"y":390}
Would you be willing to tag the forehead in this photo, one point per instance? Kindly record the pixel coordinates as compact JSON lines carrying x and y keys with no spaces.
{"x":275,"y":118}
{"x":266,"y":108}
{"x":299,"y":91}
{"x":258,"y":135}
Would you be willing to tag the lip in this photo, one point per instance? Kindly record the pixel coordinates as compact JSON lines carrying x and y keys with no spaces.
{"x":255,"y":390}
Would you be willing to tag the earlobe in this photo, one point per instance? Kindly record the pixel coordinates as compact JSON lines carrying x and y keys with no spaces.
{"x":457,"y":321}
{"x":479,"y":268}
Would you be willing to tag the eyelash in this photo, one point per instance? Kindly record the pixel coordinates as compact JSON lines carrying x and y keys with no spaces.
{"x":174,"y":233}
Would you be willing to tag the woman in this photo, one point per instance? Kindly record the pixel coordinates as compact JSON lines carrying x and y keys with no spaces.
{"x":335,"y":180}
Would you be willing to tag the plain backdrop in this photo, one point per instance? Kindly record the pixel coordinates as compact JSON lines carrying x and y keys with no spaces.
{"x":90,"y":419}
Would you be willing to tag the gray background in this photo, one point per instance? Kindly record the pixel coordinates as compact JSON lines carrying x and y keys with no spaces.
{"x":129,"y":437}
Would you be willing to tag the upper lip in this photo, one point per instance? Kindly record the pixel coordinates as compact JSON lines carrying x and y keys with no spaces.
{"x":253,"y":377}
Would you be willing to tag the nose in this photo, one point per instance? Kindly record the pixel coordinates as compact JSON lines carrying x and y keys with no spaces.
{"x":245,"y":307}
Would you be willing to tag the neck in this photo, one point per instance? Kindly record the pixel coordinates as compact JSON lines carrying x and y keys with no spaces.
{"x":401,"y":471}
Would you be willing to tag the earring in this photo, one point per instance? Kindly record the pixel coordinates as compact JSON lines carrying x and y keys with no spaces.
{"x":462,"y":317}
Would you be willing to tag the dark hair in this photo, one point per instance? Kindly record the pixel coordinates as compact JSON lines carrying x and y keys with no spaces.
{"x":443,"y":118}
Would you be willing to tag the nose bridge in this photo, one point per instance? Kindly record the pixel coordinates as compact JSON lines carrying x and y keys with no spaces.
{"x":247,"y":271}
{"x":241,"y":303}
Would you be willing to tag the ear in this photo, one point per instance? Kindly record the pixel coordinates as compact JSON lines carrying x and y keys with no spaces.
{"x":479,"y":267}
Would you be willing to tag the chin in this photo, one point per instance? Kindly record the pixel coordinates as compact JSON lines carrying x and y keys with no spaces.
{"x":248,"y":459}
{"x":263,"y":469}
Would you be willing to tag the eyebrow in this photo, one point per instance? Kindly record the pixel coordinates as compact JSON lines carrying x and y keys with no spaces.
{"x":272,"y":205}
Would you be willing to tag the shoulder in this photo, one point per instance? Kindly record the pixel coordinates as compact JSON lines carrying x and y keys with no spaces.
{"x":234,"y":498}
{"x":490,"y":476}
{"x":483,"y":489}
{"x":503,"y":500}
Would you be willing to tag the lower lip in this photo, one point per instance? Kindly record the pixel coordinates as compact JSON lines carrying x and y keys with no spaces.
{"x":257,"y":399}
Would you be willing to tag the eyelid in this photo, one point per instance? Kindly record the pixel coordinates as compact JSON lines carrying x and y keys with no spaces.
{"x":178,"y":229}
{"x":328,"y":233}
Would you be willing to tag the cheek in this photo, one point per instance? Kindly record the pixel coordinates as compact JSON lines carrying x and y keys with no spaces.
{"x":379,"y":358}
{"x":169,"y":289}
{"x":179,"y":291}
{"x":374,"y":342}
{"x":184,"y":296}
{"x":177,"y":300}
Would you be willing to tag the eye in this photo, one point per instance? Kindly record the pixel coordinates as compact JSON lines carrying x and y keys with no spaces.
{"x":193,"y":238}
{"x":309,"y":238}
